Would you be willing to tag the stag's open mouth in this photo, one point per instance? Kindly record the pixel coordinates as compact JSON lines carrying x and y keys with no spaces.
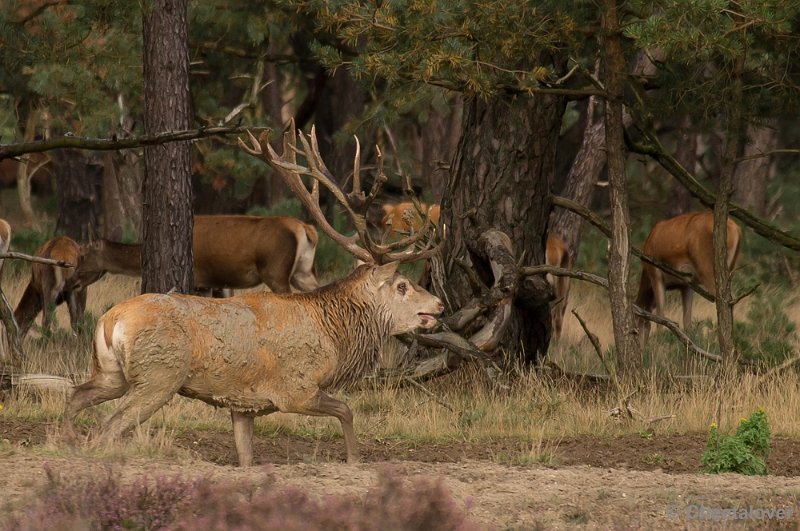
{"x":428,"y":319}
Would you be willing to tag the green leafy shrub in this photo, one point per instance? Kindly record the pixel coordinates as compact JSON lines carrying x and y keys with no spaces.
{"x":745,"y":452}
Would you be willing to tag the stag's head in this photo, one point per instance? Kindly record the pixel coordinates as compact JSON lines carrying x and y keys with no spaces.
{"x":417,"y":246}
{"x":410,"y":306}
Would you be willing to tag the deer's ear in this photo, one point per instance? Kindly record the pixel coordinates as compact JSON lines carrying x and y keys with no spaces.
{"x":384,"y":273}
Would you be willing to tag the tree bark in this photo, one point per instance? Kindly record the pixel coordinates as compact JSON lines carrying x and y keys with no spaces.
{"x":167,"y":189}
{"x":734,"y":147}
{"x":79,"y":189}
{"x":628,"y":354}
{"x":500,"y":180}
{"x":122,"y":201}
{"x":341,"y":101}
{"x":581,"y":180}
{"x":270,"y":186}
{"x":24,"y":176}
{"x":752,"y":176}
{"x":680,"y":200}
{"x":437,"y":144}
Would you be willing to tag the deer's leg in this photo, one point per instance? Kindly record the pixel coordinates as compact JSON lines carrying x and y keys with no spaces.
{"x":27,"y":309}
{"x":48,"y":306}
{"x":687,"y":296}
{"x":76,"y":303}
{"x":323,"y":405}
{"x":243,"y":436}
{"x":103,"y":387}
{"x":144,"y":398}
{"x":659,"y":293}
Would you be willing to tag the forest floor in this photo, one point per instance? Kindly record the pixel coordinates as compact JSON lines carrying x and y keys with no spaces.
{"x":627,"y":482}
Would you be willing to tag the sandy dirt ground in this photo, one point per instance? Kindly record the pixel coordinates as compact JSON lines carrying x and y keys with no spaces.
{"x":615,"y":483}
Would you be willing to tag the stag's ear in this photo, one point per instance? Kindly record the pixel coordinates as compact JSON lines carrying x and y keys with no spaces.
{"x":384,"y":273}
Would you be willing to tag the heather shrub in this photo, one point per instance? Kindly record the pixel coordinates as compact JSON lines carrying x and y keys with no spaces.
{"x":389,"y":505}
{"x":99,"y":501}
{"x":103,"y":502}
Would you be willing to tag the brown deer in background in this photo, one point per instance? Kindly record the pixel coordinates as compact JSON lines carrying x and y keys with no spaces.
{"x":684,"y":243}
{"x":232,"y":252}
{"x":556,"y":255}
{"x":260,"y":352}
{"x":50,"y":285}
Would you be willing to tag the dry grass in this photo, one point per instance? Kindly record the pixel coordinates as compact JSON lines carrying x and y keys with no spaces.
{"x":535,"y":409}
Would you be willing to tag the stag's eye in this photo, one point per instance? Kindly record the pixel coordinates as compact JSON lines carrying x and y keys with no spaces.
{"x":402,"y":288}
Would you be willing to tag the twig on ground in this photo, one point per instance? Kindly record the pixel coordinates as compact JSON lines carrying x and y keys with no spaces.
{"x":428,"y":392}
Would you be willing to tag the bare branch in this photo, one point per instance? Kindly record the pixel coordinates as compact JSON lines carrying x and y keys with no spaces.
{"x":108,"y":144}
{"x":37,"y":259}
{"x":655,"y":150}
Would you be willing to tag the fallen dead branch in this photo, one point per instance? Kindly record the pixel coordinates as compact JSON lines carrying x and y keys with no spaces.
{"x":428,"y":392}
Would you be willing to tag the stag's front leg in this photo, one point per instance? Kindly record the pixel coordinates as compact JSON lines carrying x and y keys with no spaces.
{"x":243,"y":436}
{"x":323,"y":405}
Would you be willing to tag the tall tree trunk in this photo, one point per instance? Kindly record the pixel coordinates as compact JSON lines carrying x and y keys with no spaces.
{"x":628,"y":354}
{"x":734,"y":147}
{"x":500,"y":179}
{"x":437,"y":144}
{"x":24,"y":174}
{"x":271,"y":187}
{"x":122,"y":202}
{"x":686,"y":153}
{"x":79,"y":189}
{"x":581,"y":180}
{"x":752,"y":176}
{"x":167,"y":204}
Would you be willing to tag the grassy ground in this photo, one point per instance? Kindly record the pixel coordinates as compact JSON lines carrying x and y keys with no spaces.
{"x":466,"y":408}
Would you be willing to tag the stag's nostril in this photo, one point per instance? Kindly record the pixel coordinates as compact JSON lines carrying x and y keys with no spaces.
{"x":440,"y":307}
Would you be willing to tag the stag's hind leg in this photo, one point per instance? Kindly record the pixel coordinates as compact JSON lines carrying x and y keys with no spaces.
{"x":102,"y":387}
{"x":324,"y":405}
{"x":145,"y":396}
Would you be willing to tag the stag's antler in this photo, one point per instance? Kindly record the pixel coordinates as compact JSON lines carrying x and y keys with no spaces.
{"x":290,"y":171}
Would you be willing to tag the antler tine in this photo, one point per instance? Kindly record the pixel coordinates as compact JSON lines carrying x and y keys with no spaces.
{"x":287,"y":168}
{"x":357,"y":167}
{"x":320,"y":173}
{"x":254,"y":149}
{"x":412,"y":255}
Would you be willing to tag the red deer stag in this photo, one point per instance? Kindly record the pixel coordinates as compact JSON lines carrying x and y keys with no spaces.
{"x":49,"y":286}
{"x":229,"y":252}
{"x":685,"y":244}
{"x":260,"y":352}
